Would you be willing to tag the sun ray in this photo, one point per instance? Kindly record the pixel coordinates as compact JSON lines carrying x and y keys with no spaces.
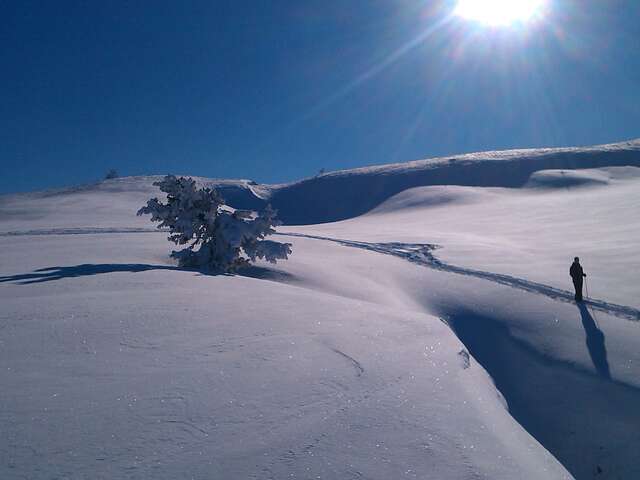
{"x":499,"y":12}
{"x":378,"y":68}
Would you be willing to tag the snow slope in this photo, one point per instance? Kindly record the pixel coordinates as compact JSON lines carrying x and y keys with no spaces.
{"x":118,"y":369}
{"x":325,"y":198}
{"x":433,"y":337}
{"x":529,"y":232}
{"x":349,"y":193}
{"x":106,"y":206}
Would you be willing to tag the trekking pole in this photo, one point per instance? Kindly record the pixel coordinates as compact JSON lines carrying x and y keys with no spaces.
{"x":586,"y":287}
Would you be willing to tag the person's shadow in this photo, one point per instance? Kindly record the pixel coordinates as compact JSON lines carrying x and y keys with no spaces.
{"x":595,"y":342}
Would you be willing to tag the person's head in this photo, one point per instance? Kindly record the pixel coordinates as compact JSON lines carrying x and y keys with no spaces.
{"x":576,"y":260}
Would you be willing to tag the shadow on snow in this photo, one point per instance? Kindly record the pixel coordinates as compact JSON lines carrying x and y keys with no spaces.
{"x":561,"y":404}
{"x":595,"y":343}
{"x":422,"y":254}
{"x":49,"y":274}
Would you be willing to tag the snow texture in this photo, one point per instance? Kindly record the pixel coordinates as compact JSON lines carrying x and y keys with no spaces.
{"x":434,"y":336}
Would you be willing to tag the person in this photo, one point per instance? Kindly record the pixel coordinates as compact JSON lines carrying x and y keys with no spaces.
{"x":577,"y":274}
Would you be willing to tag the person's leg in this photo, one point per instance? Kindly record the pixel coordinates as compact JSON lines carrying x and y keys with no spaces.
{"x":579,"y":290}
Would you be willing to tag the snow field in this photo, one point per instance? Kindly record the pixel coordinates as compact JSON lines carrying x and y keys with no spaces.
{"x":172,"y":374}
{"x":369,"y":354}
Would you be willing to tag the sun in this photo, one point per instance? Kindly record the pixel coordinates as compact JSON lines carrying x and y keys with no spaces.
{"x":499,"y":12}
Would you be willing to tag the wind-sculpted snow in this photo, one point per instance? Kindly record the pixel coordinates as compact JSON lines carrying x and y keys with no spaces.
{"x":336,"y":195}
{"x":580,"y":415}
{"x":443,"y":343}
{"x":422,"y":254}
{"x":121,"y":369}
{"x":419,"y":253}
{"x":549,"y":395}
{"x":349,"y":193}
{"x":567,"y":178}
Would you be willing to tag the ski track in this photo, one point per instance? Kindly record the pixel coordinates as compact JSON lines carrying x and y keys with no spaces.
{"x":418,"y":253}
{"x":79,"y":231}
{"x":421,"y":254}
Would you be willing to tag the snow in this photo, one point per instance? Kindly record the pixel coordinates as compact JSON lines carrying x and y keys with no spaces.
{"x":349,"y":193}
{"x":124,"y":375}
{"x":104,"y":205}
{"x":530,"y":233}
{"x":433,"y":337}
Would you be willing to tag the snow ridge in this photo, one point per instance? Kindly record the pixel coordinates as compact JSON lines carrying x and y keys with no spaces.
{"x":421,"y":254}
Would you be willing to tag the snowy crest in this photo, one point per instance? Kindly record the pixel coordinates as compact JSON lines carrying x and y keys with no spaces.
{"x":218,"y":238}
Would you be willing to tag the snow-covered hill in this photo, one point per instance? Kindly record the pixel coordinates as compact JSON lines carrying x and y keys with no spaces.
{"x":346,"y":194}
{"x":325,"y":198}
{"x":434,"y":336}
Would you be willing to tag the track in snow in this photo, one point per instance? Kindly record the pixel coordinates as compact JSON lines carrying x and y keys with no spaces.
{"x":79,"y":231}
{"x":421,"y":254}
{"x":418,"y":253}
{"x":589,"y":445}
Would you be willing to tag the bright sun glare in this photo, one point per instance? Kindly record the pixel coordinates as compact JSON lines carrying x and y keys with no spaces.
{"x":499,"y":12}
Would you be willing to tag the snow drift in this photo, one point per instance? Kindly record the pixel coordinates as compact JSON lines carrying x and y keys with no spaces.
{"x":346,"y":194}
{"x":324,"y":198}
{"x":434,"y":336}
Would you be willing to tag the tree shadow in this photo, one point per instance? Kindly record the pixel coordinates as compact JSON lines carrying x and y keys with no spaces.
{"x":595,"y":342}
{"x":50,"y":274}
{"x":263,"y":273}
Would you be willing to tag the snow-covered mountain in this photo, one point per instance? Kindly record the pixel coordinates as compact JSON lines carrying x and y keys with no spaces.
{"x":348,"y":193}
{"x":424,"y":327}
{"x":324,"y":198}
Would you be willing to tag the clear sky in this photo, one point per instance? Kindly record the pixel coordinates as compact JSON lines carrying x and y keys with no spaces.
{"x":274,"y":90}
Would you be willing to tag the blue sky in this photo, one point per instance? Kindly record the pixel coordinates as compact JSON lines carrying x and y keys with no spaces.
{"x":275,"y":90}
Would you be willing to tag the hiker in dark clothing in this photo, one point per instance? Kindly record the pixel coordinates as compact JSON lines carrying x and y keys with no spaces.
{"x":577,"y":273}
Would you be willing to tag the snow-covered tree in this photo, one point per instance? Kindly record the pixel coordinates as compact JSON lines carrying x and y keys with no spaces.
{"x":218,"y":237}
{"x":111,"y":174}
